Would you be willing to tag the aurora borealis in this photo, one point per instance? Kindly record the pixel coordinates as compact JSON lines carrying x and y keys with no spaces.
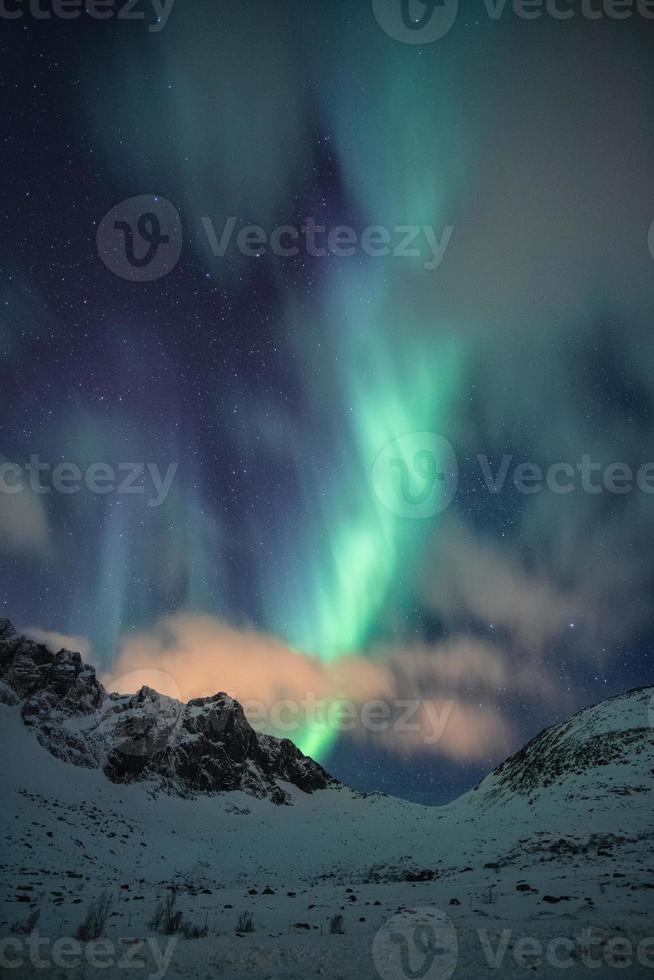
{"x":275,"y":383}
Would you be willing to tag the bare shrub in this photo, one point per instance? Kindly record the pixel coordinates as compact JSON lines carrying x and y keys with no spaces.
{"x":166,"y":918}
{"x":490,"y":897}
{"x":23,"y":927}
{"x":245,"y":922}
{"x":95,"y":919}
{"x":337,"y":925}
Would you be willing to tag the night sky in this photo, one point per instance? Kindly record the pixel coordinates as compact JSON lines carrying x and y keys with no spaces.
{"x":294,"y":396}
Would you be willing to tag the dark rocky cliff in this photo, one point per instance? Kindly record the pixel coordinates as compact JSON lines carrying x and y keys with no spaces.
{"x":205,"y":746}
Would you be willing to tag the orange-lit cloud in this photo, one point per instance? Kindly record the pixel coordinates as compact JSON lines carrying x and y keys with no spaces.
{"x":188,"y":655}
{"x":455,"y":729}
{"x":202,"y":655}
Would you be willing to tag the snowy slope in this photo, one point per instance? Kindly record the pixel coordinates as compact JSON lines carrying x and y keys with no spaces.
{"x":557,"y":839}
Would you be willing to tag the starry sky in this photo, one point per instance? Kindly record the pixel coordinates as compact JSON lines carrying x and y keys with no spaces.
{"x":303,"y":400}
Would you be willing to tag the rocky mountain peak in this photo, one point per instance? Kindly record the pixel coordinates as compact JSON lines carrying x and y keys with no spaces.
{"x":607,"y":748}
{"x":205,"y":746}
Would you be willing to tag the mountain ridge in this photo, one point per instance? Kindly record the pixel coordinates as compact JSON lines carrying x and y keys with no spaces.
{"x":203,"y":746}
{"x":569,"y":850}
{"x":584,"y":741}
{"x":207,"y":745}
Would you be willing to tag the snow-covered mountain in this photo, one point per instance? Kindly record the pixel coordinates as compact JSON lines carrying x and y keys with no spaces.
{"x":605,"y":749}
{"x":205,"y":746}
{"x":556,"y":840}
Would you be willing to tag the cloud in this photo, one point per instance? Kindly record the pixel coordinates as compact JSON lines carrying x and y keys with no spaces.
{"x":23,"y":525}
{"x":56,"y":641}
{"x":426,"y":692}
{"x":458,"y":730}
{"x":474,"y":577}
{"x":202,"y":655}
{"x":465,"y":665}
{"x":189,"y":655}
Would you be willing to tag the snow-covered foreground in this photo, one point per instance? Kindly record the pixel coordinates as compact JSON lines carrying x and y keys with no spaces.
{"x":554,"y":848}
